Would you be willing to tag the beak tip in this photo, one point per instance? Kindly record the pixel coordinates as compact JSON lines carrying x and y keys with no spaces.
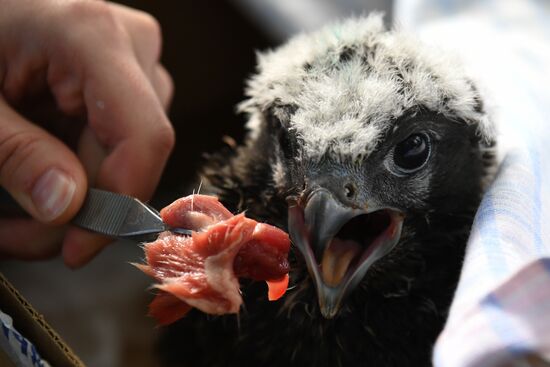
{"x":329,"y":300}
{"x":329,"y":313}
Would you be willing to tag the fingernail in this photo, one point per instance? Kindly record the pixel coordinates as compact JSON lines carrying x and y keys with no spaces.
{"x":52,"y":193}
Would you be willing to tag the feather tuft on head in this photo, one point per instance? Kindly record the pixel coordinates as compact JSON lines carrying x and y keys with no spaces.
{"x":349,"y":82}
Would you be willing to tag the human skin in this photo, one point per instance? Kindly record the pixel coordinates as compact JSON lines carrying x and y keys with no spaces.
{"x":99,"y":63}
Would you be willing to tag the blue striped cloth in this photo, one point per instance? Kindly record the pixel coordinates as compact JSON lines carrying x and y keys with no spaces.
{"x":501,"y":312}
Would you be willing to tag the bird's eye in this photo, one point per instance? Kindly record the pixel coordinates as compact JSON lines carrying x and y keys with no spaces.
{"x":412,"y":153}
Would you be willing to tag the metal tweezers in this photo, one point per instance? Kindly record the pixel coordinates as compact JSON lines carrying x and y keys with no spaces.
{"x":107,"y":213}
{"x":121,"y":216}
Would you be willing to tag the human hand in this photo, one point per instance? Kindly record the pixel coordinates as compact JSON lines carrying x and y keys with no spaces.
{"x":99,"y":62}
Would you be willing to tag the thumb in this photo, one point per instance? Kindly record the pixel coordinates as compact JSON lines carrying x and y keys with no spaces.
{"x":41,"y":173}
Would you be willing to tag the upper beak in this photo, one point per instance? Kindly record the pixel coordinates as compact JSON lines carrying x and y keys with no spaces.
{"x":340,"y":243}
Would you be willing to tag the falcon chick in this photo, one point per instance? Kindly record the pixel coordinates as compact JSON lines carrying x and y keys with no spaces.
{"x":372,"y":151}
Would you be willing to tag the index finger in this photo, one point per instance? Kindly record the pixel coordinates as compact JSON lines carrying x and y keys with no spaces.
{"x":127,"y":118}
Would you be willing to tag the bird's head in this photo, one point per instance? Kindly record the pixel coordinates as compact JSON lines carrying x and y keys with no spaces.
{"x":369,"y":133}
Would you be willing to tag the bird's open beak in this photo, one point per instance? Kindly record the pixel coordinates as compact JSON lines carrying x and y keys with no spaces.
{"x":340,"y":243}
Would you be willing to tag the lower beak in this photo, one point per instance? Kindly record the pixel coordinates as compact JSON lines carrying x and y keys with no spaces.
{"x":340,"y":244}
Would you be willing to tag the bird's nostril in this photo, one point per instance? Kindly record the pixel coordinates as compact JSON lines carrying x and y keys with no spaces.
{"x":349,"y":190}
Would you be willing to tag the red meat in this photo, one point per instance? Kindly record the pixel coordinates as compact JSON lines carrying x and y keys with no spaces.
{"x":201,"y":270}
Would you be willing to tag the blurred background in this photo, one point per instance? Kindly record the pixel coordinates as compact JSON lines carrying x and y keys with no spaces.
{"x":209,"y":49}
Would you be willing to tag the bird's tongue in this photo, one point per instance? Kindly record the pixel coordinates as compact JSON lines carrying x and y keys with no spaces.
{"x":337,"y":259}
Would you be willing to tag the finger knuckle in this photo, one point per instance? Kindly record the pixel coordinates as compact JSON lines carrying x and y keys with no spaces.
{"x":169,"y":90}
{"x":170,"y":83}
{"x":83,"y":10}
{"x":93,"y":17}
{"x":167,"y":85}
{"x":151,"y":25}
{"x":151,"y":32}
{"x":164,"y":138}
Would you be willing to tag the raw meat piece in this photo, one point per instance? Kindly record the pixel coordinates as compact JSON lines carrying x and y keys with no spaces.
{"x":277,"y":288}
{"x":201,"y":270}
